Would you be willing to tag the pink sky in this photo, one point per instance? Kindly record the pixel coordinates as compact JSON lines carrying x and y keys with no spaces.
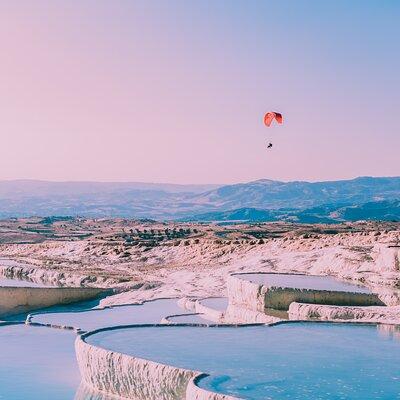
{"x":175,"y":91}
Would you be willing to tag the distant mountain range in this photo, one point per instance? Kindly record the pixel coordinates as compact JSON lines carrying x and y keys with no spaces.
{"x":262,"y":200}
{"x":267,"y":194}
{"x":376,"y":210}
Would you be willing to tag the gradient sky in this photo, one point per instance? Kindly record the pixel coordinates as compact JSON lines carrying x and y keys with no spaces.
{"x":175,"y":91}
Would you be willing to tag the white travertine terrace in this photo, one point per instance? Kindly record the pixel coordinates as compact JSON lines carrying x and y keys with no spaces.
{"x":216,"y":316}
{"x":387,"y":315}
{"x":136,"y":378}
{"x":130,"y":377}
{"x":240,"y":315}
{"x":245,"y":294}
{"x":188,"y":303}
{"x":14,"y":270}
{"x":258,"y":296}
{"x":15,"y":300}
{"x":233,"y":314}
{"x":248,"y":301}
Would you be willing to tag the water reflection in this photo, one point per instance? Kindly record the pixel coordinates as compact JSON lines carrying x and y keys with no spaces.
{"x":148,"y":313}
{"x":86,"y":393}
{"x":312,"y":282}
{"x":389,"y":331}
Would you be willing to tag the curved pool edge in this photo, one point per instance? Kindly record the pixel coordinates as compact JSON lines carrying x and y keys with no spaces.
{"x":168,"y":319}
{"x":137,"y":378}
{"x":214,"y":315}
{"x":78,"y":329}
{"x":232,"y":314}
{"x":195,"y":392}
{"x":196,"y":306}
{"x":128,"y":376}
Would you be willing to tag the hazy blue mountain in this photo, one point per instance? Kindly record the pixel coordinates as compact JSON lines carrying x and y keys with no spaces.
{"x":95,"y":199}
{"x":254,"y":201}
{"x":267,"y":194}
{"x":382,"y":210}
{"x":376,"y":210}
{"x":21,"y":188}
{"x":240,"y":214}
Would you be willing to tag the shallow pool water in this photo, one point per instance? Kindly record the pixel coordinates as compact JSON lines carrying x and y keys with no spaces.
{"x":290,"y":361}
{"x":304,"y":282}
{"x":37,"y":363}
{"x":40,"y":362}
{"x":216,"y":303}
{"x":189,"y":319}
{"x":148,"y":313}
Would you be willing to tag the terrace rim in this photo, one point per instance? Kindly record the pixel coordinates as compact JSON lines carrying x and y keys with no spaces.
{"x":259,"y":297}
{"x":137,"y":378}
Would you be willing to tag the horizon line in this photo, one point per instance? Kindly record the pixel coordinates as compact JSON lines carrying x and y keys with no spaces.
{"x":193,"y":184}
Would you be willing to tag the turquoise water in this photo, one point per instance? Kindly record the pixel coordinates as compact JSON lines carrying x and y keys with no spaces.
{"x":73,"y":307}
{"x":304,"y":282}
{"x":149,"y":312}
{"x":293,"y":361}
{"x":37,"y":363}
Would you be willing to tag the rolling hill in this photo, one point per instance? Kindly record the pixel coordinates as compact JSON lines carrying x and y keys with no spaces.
{"x":262,"y":200}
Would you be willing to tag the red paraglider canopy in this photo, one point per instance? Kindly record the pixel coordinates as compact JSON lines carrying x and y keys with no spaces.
{"x":270,"y":116}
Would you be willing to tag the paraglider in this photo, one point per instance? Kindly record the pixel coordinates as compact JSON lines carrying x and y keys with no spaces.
{"x":269,"y":117}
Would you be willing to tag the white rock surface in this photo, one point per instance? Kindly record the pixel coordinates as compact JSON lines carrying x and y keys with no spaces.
{"x":200,"y":268}
{"x":15,"y":300}
{"x":387,"y":315}
{"x":130,"y":377}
